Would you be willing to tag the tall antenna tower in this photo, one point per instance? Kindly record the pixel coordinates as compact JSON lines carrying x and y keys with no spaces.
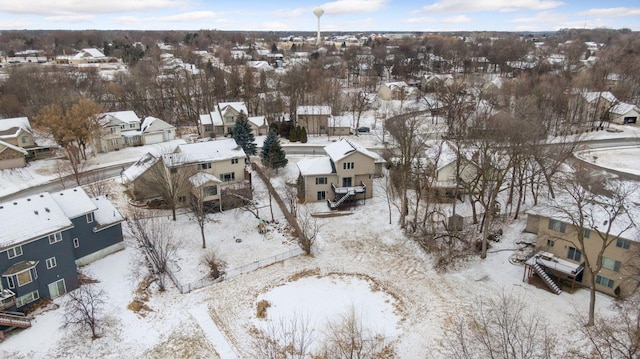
{"x":318,"y":12}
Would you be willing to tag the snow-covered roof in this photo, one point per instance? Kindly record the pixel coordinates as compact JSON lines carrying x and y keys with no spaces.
{"x":209,"y":151}
{"x":201,"y":178}
{"x":74,"y":202}
{"x":591,"y":96}
{"x":106,"y":213}
{"x":341,"y":149}
{"x":398,"y":84}
{"x":30,"y":218}
{"x":315,"y":166}
{"x":623,"y":108}
{"x":152,"y":124}
{"x":93,"y":52}
{"x":313,"y":110}
{"x":238,"y":106}
{"x":212,"y":118}
{"x":257,"y":120}
{"x":4,"y":145}
{"x":121,"y":116}
{"x":141,"y":166}
{"x":13,"y":125}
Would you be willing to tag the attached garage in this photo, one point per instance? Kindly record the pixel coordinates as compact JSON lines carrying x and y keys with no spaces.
{"x":152,"y":138}
{"x":12,"y":156}
{"x":624,"y":113}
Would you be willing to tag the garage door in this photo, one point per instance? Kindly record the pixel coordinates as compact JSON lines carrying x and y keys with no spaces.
{"x":152,"y":138}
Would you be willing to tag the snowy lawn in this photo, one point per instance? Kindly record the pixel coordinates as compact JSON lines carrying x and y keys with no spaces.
{"x":625,"y":159}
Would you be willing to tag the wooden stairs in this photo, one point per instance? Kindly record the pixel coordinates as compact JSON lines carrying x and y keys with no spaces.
{"x":14,"y":319}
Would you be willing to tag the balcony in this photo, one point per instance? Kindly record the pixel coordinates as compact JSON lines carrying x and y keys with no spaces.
{"x":7,"y":299}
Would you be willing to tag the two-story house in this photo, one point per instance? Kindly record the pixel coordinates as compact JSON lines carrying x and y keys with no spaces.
{"x":314,"y":119}
{"x":344,"y":176}
{"x":222,"y":119}
{"x":212,"y":166}
{"x":44,"y":239}
{"x":561,"y":257}
{"x":17,"y":143}
{"x":122,"y":129}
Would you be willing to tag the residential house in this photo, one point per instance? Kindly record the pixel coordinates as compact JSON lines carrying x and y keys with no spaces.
{"x":561,"y":258}
{"x":315,"y":119}
{"x":16,"y":137}
{"x":259,"y":126}
{"x":342,"y":177}
{"x":592,"y":107}
{"x":399,"y":90}
{"x":624,"y":113}
{"x":85,"y":56}
{"x":222,"y":119}
{"x":46,"y":237}
{"x":216,"y":167}
{"x":446,"y":165}
{"x":124,"y":129}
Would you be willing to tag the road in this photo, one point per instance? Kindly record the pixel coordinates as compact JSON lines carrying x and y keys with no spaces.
{"x":305,"y":150}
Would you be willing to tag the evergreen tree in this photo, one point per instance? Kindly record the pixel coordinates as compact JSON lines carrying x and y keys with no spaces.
{"x":293,"y":134}
{"x":276,"y":156}
{"x":303,"y":135}
{"x":244,"y":137}
{"x":272,"y":136}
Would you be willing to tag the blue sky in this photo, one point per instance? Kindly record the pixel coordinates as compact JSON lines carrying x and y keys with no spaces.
{"x":340,"y":15}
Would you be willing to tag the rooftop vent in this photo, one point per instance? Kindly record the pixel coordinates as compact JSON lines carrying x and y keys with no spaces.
{"x":28,"y":199}
{"x":36,"y":212}
{"x":15,"y":203}
{"x":46,"y":209}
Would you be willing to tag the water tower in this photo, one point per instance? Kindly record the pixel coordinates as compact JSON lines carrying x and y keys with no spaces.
{"x":318,"y":13}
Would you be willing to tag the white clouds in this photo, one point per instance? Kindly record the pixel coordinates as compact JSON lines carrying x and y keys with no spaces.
{"x":612,"y":12}
{"x":69,"y":7}
{"x":73,"y":19}
{"x":544,"y":17}
{"x":457,"y":6}
{"x":340,"y":7}
{"x":460,"y":19}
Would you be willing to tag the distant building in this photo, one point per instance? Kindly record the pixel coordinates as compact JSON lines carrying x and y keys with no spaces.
{"x":124,"y":129}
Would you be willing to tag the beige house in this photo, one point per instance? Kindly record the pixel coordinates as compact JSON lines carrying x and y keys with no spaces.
{"x":446,"y":166}
{"x":12,"y":156}
{"x":315,"y":119}
{"x":342,"y":177}
{"x":122,"y":129}
{"x":396,"y":91}
{"x":209,"y":168}
{"x":561,"y":258}
{"x":222,"y":119}
{"x":16,"y":132}
{"x":624,"y":113}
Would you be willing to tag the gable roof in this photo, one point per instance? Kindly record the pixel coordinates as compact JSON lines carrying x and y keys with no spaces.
{"x":315,"y":166}
{"x":153,"y":124}
{"x":106,"y":214}
{"x":237,"y":106}
{"x":10,"y":127}
{"x":141,"y":166}
{"x":209,"y":151}
{"x":120,"y":117}
{"x":90,"y":52}
{"x":343,"y":148}
{"x":201,"y":178}
{"x":591,"y":96}
{"x":313,"y":110}
{"x":623,"y":108}
{"x":30,"y":218}
{"x":74,"y":202}
{"x":258,"y":121}
{"x":9,"y":146}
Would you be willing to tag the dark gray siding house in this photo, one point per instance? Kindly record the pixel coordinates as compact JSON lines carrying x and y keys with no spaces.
{"x":43,"y":239}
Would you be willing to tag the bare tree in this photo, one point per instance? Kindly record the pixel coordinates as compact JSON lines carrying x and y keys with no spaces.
{"x":214,"y":262}
{"x":348,"y":338}
{"x":84,"y":309}
{"x":359,"y":103}
{"x":499,"y":328}
{"x":155,"y":234}
{"x":291,"y":339}
{"x":616,"y":335}
{"x":309,"y":227}
{"x":171,"y":184}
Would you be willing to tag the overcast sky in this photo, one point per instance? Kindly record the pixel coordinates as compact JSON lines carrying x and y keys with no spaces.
{"x":340,"y":15}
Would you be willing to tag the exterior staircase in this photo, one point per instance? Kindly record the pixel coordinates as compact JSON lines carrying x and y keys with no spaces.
{"x":336,"y":204}
{"x":547,"y":280}
{"x":14,"y":319}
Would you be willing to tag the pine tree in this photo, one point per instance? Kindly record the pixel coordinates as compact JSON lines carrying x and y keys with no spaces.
{"x":293,"y":134}
{"x":243,"y":136}
{"x":272,"y":136}
{"x":276,"y":157}
{"x":303,"y":135}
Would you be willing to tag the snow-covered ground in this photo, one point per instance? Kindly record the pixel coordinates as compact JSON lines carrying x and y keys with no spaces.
{"x":625,"y":159}
{"x":361,"y":260}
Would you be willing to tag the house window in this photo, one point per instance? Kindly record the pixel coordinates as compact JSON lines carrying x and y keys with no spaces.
{"x":76,"y":243}
{"x":114,"y":142}
{"x":113,"y":129}
{"x":557,"y":226}
{"x":623,"y":243}
{"x":346,"y":182}
{"x":227,"y":177}
{"x":182,"y":199}
{"x":210,"y":191}
{"x":574,"y":254}
{"x":57,"y":288}
{"x":173,"y":170}
{"x":122,"y":127}
{"x":321,"y":180}
{"x":586,"y":233}
{"x":55,"y":238}
{"x":27,"y":298}
{"x":322,"y":195}
{"x":14,"y":251}
{"x":204,"y":166}
{"x":51,"y":262}
{"x":604,"y":281}
{"x":24,"y":139}
{"x":24,"y":278}
{"x":132,"y":125}
{"x":234,"y":161}
{"x":10,"y":282}
{"x":550,"y":242}
{"x":611,"y":264}
{"x":90,"y":217}
{"x":348,"y":166}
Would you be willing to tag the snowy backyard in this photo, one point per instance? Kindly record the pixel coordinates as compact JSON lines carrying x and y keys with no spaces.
{"x":362,"y":262}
